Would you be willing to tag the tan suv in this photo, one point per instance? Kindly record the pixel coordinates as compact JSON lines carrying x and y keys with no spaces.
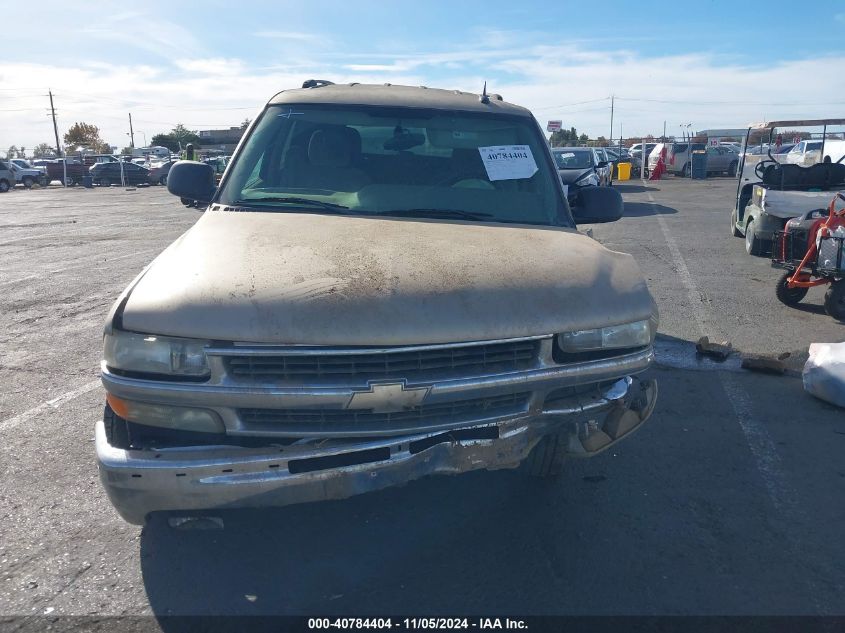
{"x":388,"y":283}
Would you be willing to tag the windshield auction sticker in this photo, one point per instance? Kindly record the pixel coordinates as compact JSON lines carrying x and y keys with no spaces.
{"x":508,"y":162}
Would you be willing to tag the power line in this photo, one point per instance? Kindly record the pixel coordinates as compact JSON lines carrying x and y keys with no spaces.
{"x":566,"y":105}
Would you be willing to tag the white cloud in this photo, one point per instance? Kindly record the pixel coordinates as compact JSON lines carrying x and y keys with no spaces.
{"x":707,"y":90}
{"x":211,"y":66}
{"x":153,"y":35}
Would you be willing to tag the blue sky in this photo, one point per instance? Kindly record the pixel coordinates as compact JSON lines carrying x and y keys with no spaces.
{"x":211,"y":64}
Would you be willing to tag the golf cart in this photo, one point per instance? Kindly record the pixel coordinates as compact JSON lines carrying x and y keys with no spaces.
{"x":771,"y":191}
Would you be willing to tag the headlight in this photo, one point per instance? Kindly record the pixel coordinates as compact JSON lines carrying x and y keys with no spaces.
{"x":146,"y":353}
{"x":637,"y":334}
{"x":586,"y":179}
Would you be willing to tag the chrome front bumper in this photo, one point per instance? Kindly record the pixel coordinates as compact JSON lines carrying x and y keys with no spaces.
{"x":208,"y":478}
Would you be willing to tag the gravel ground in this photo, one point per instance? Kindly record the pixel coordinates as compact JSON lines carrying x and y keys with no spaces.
{"x":729,"y":501}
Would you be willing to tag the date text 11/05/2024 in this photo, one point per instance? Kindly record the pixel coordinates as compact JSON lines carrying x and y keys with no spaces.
{"x":417,"y":623}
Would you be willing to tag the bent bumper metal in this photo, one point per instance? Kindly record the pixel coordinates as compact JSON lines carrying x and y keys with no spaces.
{"x":186,"y":479}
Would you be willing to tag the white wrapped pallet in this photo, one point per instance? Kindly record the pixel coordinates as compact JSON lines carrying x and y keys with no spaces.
{"x":824,"y":372}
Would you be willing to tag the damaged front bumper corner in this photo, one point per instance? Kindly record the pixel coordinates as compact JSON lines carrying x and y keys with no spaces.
{"x":141,"y":482}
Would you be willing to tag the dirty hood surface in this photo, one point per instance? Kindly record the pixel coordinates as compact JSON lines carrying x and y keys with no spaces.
{"x":331,"y":280}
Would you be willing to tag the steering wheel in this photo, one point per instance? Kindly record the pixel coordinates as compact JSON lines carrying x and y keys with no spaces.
{"x":760,"y":167}
{"x":466,"y":181}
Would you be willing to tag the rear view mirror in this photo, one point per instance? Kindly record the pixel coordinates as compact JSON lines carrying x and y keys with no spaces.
{"x":191,"y":181}
{"x":404,"y":141}
{"x":598,"y":204}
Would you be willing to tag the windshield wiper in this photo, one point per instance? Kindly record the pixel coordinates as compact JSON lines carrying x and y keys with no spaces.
{"x":306,"y":202}
{"x":437,"y":213}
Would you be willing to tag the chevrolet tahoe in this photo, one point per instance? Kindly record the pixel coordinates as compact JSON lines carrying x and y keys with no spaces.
{"x":387,"y":283}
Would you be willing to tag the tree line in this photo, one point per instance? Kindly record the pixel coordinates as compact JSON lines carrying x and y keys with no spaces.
{"x":82,"y":135}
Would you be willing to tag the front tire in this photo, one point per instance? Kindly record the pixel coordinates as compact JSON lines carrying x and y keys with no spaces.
{"x":162,"y":180}
{"x":753,"y":244}
{"x":105,"y":182}
{"x":546,"y":459}
{"x":732,"y":169}
{"x":4,"y":186}
{"x":734,"y":231}
{"x":834,"y":300}
{"x":786,"y":295}
{"x":28,"y":181}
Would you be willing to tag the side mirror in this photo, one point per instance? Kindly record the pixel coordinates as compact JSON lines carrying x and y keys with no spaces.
{"x":191,"y":181}
{"x":602,"y":163}
{"x":598,"y":204}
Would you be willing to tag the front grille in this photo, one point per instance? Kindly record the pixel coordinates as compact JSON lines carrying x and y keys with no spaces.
{"x":335,"y":422}
{"x":452,"y":361}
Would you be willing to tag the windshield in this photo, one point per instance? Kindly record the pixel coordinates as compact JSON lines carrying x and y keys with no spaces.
{"x":573,"y":159}
{"x":403,"y":161}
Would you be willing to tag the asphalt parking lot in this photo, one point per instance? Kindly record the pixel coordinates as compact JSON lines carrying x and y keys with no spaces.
{"x":728,"y":501}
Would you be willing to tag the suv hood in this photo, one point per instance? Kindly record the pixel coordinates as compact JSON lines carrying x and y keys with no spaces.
{"x":331,"y":280}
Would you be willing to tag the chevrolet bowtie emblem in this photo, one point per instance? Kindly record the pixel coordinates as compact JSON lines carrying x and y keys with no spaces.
{"x":388,"y":397}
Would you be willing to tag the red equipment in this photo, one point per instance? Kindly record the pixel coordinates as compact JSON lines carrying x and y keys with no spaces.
{"x":813,"y":237}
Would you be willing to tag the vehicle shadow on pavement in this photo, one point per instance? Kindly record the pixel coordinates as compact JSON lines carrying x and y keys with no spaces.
{"x":434,"y":544}
{"x":642,"y":209}
{"x":626,"y":188}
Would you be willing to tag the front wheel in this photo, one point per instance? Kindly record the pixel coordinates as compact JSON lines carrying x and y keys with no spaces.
{"x":545,"y":461}
{"x":4,"y":186}
{"x":786,"y":295}
{"x":732,"y":169}
{"x":753,"y":244}
{"x":162,"y":180}
{"x":834,"y":300}
{"x":28,"y":181}
{"x":105,"y":182}
{"x":734,"y":231}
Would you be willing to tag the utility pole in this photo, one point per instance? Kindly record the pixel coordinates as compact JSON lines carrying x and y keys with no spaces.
{"x":664,"y":132}
{"x":131,"y":133}
{"x":612,"y":97}
{"x":55,"y":127}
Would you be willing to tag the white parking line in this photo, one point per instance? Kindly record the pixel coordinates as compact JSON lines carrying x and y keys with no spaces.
{"x":758,"y":438}
{"x":766,"y":458}
{"x":55,"y":403}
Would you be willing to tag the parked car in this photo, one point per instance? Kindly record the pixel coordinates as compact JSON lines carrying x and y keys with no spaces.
{"x":577,"y":168}
{"x":26,"y":176}
{"x":420,"y":303}
{"x":623,"y":155}
{"x":158,"y":174}
{"x":7,"y":177}
{"x":805,"y":153}
{"x":25,"y":164}
{"x":107,"y":174}
{"x":722,"y":160}
{"x":637,"y":150}
{"x":810,"y":152}
{"x":93,"y":159}
{"x":606,"y":165}
{"x":677,"y":156}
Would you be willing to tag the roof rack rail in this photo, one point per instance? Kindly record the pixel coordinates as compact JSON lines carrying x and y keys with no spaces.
{"x":316,"y":83}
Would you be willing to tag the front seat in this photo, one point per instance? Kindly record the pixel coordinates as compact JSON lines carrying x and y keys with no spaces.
{"x":330,"y":158}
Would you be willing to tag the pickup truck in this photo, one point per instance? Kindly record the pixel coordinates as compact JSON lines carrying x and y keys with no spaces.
{"x":388,"y":283}
{"x":25,"y":174}
{"x":75,"y":172}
